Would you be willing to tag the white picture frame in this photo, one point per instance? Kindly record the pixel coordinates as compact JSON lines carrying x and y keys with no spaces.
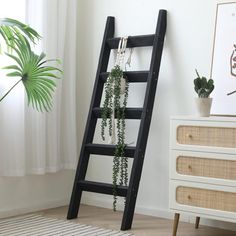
{"x":223,"y":66}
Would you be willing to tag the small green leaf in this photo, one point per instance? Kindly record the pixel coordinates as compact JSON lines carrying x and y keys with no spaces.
{"x":14,"y":74}
{"x":12,"y":67}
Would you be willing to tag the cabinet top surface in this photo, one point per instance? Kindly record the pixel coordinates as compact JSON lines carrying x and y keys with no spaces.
{"x":211,"y":118}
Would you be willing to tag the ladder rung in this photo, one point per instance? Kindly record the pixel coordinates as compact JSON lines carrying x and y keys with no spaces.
{"x":104,"y":188}
{"x":133,"y":41}
{"x":108,"y":150}
{"x":132,"y":76}
{"x":130,"y":113}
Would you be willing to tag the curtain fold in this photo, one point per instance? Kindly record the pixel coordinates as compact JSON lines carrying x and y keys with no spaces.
{"x":49,"y":141}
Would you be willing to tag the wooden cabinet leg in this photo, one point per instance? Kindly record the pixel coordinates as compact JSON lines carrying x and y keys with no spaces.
{"x":197,"y":222}
{"x":176,"y":223}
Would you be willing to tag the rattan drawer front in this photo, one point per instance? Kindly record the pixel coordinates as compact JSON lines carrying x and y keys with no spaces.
{"x":207,"y":136}
{"x":211,"y":199}
{"x":206,"y":167}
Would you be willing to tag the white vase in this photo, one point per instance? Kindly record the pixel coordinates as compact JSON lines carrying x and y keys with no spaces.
{"x":203,"y":106}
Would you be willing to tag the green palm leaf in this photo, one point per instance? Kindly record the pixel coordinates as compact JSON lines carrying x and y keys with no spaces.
{"x":36,"y":76}
{"x":13,"y":30}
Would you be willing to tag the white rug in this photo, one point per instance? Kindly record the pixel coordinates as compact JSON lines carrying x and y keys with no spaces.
{"x":37,"y":225}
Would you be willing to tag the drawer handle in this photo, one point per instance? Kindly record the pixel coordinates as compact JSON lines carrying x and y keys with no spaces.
{"x":189,"y":136}
{"x":189,"y":197}
{"x":189,"y":167}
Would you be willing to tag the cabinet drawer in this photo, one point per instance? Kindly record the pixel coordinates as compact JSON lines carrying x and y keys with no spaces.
{"x":208,"y":200}
{"x":203,"y":167}
{"x":206,"y":167}
{"x":204,"y":198}
{"x":207,"y":136}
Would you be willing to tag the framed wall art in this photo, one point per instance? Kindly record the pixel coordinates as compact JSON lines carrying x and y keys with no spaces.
{"x":223,"y":68}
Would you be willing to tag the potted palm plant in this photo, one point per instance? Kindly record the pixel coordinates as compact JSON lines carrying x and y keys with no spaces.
{"x":31,"y":69}
{"x":203,"y":88}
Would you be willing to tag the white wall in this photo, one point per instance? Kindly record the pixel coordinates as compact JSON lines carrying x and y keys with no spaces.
{"x":31,"y":193}
{"x":188,"y":46}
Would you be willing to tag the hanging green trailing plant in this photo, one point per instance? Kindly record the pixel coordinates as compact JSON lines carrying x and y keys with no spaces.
{"x":115,"y":102}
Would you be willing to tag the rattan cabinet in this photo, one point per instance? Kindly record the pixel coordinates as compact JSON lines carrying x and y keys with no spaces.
{"x":203,"y":168}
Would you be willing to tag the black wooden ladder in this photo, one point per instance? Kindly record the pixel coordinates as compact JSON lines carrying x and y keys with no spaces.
{"x":144,"y":114}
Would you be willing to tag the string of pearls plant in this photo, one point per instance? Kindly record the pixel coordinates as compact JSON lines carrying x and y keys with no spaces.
{"x":113,"y":118}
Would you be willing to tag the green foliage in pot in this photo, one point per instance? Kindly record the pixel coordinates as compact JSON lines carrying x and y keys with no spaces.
{"x":113,"y":101}
{"x":32,"y":69}
{"x":202,"y":86}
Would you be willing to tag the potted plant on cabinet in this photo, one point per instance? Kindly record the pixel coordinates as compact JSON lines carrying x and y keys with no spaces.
{"x":203,"y":88}
{"x":31,"y":69}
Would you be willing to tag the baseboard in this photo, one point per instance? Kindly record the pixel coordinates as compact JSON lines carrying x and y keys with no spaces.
{"x":156,"y":212}
{"x":33,"y":207}
{"x":144,"y":210}
{"x":216,"y":223}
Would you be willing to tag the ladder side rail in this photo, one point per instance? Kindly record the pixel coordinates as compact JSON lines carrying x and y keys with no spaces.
{"x":91,"y":120}
{"x":145,"y":122}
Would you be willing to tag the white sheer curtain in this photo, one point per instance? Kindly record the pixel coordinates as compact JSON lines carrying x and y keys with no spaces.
{"x":47,"y":142}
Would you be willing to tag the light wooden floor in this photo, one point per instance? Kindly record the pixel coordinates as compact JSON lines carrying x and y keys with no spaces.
{"x":142,"y":225}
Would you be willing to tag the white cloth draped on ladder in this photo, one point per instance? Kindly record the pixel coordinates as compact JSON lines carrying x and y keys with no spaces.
{"x":46,"y":142}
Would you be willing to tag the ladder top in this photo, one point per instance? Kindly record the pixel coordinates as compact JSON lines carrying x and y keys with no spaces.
{"x":133,"y":41}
